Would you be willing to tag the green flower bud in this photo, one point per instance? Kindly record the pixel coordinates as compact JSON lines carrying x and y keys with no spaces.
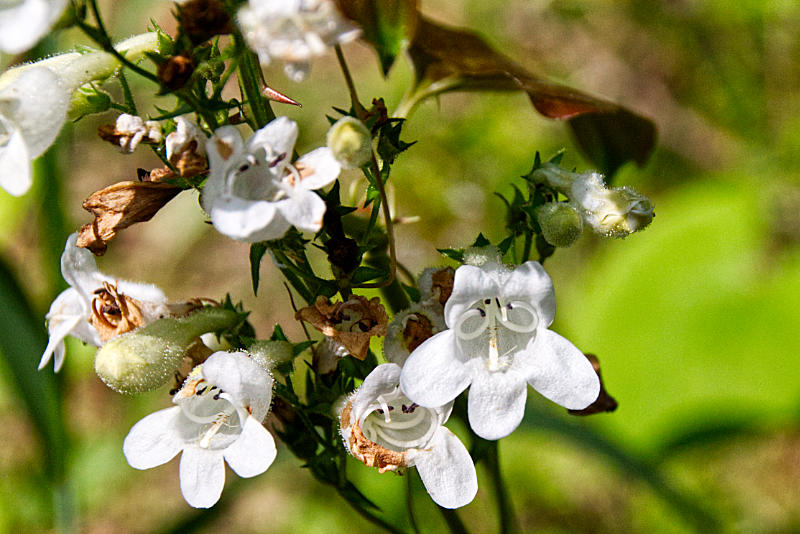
{"x":478,"y":256}
{"x":147,"y":357}
{"x":561,"y":223}
{"x":350,"y":142}
{"x":270,"y":353}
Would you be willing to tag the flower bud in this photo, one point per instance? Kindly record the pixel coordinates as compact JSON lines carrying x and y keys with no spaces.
{"x":561,"y":223}
{"x":86,"y":101}
{"x":611,"y":212}
{"x":147,"y":358}
{"x":270,"y":353}
{"x":478,"y":256}
{"x":351,"y":143}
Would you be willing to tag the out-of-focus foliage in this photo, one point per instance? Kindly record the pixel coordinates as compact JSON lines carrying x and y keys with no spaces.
{"x":694,"y":319}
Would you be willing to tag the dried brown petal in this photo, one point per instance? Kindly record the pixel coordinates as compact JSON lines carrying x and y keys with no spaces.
{"x":114,"y":313}
{"x":369,"y":452}
{"x":352,"y":323}
{"x":604,"y":402}
{"x":118,"y":206}
{"x":418,"y":329}
{"x":175,"y":72}
{"x":203,"y":19}
{"x":443,"y":281}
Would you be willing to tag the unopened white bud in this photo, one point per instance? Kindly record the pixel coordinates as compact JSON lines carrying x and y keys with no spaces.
{"x":148,"y":357}
{"x":351,"y":143}
{"x":561,"y":223}
{"x":611,"y":212}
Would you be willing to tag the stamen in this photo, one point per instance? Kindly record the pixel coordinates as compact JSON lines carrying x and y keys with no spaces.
{"x":213,"y":429}
{"x":467,"y":335}
{"x":530,"y":326}
{"x":386,"y":409}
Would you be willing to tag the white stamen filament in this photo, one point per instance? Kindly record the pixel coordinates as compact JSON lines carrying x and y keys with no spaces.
{"x":466,"y":335}
{"x":213,"y":429}
{"x":376,"y":429}
{"x":385,"y":407}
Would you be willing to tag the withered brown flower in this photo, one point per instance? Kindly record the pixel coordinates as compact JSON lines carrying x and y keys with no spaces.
{"x":351,"y":323}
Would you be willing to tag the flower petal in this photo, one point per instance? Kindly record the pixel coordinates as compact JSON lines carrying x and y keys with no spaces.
{"x":16,"y":175}
{"x":36,"y":102}
{"x":247,"y":220}
{"x":24,"y":24}
{"x":496,"y":402}
{"x":469,"y":285}
{"x":318,"y":168}
{"x":529,"y":282}
{"x":304,"y":210}
{"x":202,"y":474}
{"x":276,"y":138}
{"x":79,"y":269}
{"x":225,"y":142}
{"x":434,"y":374}
{"x":447,"y":471}
{"x":253,"y":452}
{"x":562,"y":373}
{"x":243,"y":378}
{"x":383,"y":380}
{"x":58,"y":331}
{"x":153,"y":440}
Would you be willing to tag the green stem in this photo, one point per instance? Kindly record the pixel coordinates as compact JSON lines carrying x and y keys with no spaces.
{"x":526,"y":250}
{"x":351,"y":87}
{"x":454,"y":522}
{"x":127,"y":94}
{"x":250,"y":80}
{"x":410,"y":501}
{"x":504,"y":507}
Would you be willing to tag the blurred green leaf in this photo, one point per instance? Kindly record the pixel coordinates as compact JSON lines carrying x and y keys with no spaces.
{"x":22,"y":341}
{"x":257,"y":251}
{"x":389,"y":25}
{"x":448,"y":59}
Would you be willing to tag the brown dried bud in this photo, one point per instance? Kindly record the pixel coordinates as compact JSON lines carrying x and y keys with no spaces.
{"x":175,"y":72}
{"x":351,"y":323}
{"x":343,"y":253}
{"x":118,"y":206}
{"x":203,"y":19}
{"x":418,"y":329}
{"x":442,"y":282}
{"x":604,"y":402}
{"x":369,"y":452}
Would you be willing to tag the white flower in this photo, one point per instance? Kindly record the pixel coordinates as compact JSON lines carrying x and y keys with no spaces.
{"x":497,"y":342}
{"x":180,"y":140}
{"x":384,"y":429}
{"x":293,"y":31}
{"x":132,"y":130}
{"x":96,"y":306}
{"x":217,"y":419}
{"x":24,"y":22}
{"x":34,"y":99}
{"x":614,"y":212}
{"x":33,"y":107}
{"x":254,"y":193}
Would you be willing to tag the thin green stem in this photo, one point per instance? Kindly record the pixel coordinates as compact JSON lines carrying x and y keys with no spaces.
{"x":454,"y":522}
{"x":387,"y":217}
{"x":504,"y":508}
{"x":251,"y":78}
{"x":351,"y":87}
{"x":410,"y":502}
{"x":127,"y":94}
{"x":100,"y":36}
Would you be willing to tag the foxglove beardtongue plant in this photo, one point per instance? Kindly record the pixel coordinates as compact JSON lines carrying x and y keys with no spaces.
{"x":293,"y":31}
{"x":218,"y":419}
{"x":383,"y":428}
{"x":498,"y":341}
{"x":255,"y":193}
{"x":24,"y":22}
{"x":96,"y":307}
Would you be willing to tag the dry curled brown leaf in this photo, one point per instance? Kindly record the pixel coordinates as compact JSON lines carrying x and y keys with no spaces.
{"x":604,"y":402}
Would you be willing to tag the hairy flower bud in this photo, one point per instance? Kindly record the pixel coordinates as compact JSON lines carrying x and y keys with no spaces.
{"x":270,"y":353}
{"x":561,"y":223}
{"x":147,"y":358}
{"x":351,"y":143}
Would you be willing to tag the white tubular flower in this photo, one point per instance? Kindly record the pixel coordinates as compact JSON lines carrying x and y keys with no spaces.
{"x":34,"y":99}
{"x":254,"y":192}
{"x":498,"y":341}
{"x":383,"y":428}
{"x":410,"y":328}
{"x":132,"y":130}
{"x":217,"y":419}
{"x":293,"y":31}
{"x":24,"y":22}
{"x":96,"y":307}
{"x":614,"y":212}
{"x":180,"y":140}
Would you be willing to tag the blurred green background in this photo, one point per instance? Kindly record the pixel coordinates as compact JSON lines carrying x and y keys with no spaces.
{"x":695,"y":320}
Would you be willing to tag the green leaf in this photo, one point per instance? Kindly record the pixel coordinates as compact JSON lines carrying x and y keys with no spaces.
{"x":452,"y":253}
{"x":450,"y":59}
{"x":365,"y":274}
{"x":257,"y":251}
{"x":481,"y":241}
{"x":389,"y":25}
